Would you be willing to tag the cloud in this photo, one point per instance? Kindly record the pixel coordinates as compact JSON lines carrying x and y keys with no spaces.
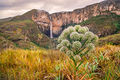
{"x":9,"y":8}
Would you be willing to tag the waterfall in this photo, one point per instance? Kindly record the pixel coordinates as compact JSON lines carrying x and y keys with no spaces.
{"x":51,"y":29}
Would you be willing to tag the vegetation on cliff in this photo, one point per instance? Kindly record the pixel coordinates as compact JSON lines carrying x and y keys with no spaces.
{"x":104,"y":25}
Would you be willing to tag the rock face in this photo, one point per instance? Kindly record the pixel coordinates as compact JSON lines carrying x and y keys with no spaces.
{"x":42,"y":18}
{"x":58,"y":20}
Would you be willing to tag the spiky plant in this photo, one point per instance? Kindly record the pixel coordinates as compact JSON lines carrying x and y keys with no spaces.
{"x":76,"y":42}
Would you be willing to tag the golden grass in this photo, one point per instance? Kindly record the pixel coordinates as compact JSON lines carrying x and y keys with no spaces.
{"x":108,"y":57}
{"x":48,"y":64}
{"x":29,"y":65}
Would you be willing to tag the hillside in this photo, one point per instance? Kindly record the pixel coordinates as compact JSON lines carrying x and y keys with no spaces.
{"x":103,"y":25}
{"x":5,"y":19}
{"x":111,"y":39}
{"x":25,"y":16}
{"x":22,"y":34}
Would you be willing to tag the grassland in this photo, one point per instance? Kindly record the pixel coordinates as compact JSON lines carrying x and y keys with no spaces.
{"x":111,"y":39}
{"x":101,"y":64}
{"x":29,"y":64}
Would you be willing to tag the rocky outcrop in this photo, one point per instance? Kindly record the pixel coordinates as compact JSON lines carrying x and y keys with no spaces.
{"x":58,"y":20}
{"x":42,"y":18}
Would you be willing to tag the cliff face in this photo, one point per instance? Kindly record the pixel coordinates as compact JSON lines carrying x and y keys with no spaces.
{"x":58,"y":20}
{"x":42,"y":18}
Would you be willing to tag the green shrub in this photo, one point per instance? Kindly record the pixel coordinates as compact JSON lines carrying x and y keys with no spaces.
{"x":76,"y":42}
{"x":117,"y":25}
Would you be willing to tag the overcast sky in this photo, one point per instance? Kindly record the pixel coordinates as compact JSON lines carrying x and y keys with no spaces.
{"x":9,"y":8}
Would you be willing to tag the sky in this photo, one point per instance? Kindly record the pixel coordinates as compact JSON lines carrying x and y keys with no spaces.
{"x":10,"y":8}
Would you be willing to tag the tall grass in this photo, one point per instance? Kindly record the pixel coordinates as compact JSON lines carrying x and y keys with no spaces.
{"x":29,"y":65}
{"x":108,"y":58}
{"x":101,"y":64}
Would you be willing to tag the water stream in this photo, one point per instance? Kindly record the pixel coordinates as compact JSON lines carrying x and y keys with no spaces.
{"x":51,"y":30}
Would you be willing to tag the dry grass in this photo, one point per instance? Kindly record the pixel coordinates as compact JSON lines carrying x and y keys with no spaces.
{"x":108,"y":58}
{"x":50,"y":65}
{"x":29,"y":65}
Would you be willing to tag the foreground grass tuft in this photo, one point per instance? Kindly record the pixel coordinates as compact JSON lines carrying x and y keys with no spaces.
{"x":29,"y":65}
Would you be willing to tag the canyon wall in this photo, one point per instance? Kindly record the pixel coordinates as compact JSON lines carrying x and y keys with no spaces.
{"x":60,"y":19}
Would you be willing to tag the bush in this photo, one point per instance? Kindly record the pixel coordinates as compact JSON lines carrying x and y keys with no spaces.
{"x":76,"y":42}
{"x":117,"y":25}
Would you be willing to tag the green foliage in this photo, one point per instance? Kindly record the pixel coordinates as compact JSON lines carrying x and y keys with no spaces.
{"x":102,"y":19}
{"x":76,"y":42}
{"x":117,"y":25}
{"x":76,"y":39}
{"x":107,"y":23}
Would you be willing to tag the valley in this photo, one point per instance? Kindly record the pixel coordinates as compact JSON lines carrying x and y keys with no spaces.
{"x":39,"y":45}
